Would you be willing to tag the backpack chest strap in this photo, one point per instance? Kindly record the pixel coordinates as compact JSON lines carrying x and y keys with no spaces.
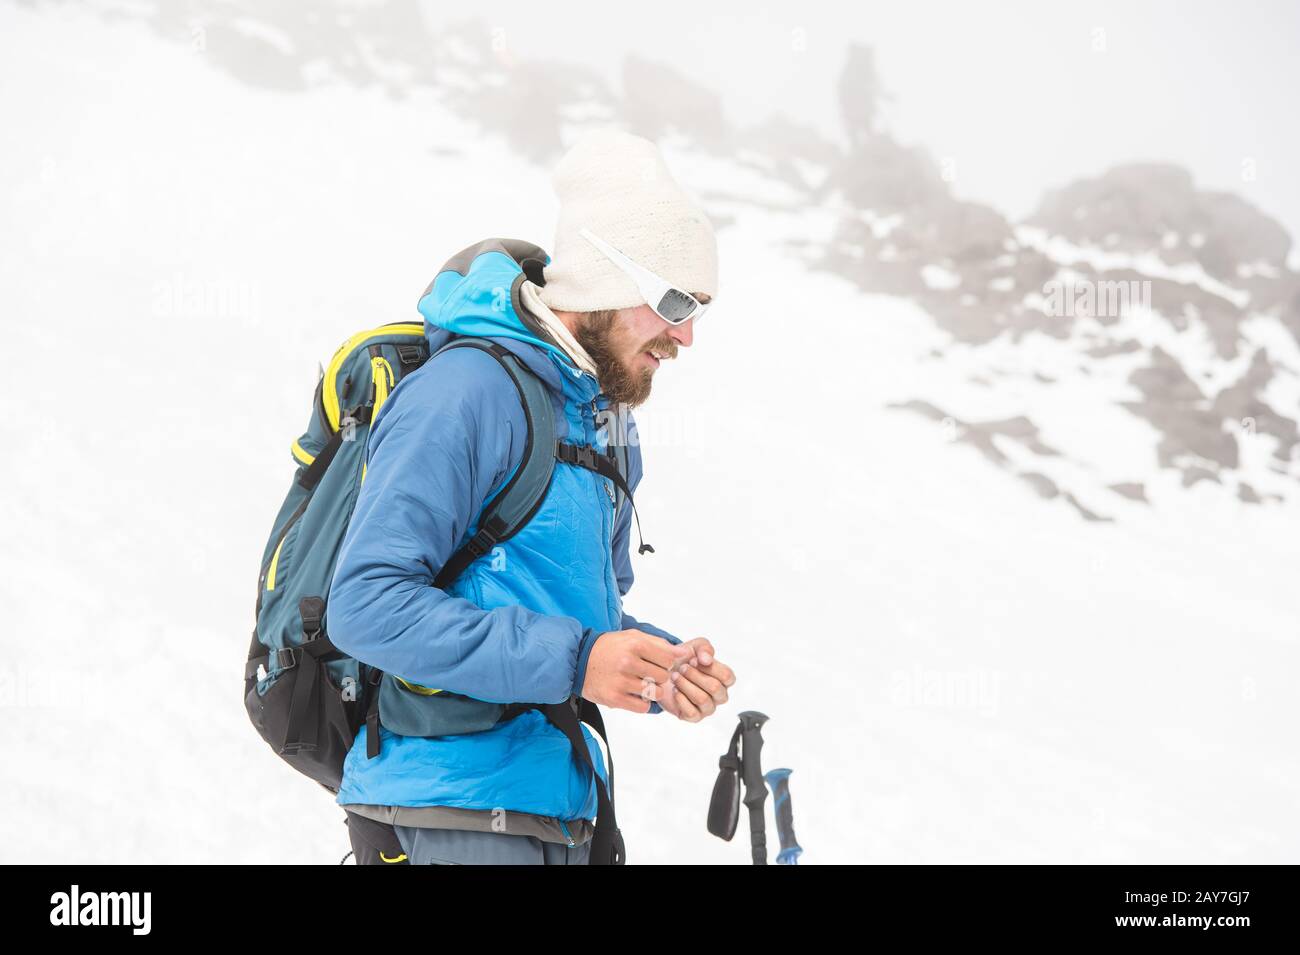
{"x":606,"y":465}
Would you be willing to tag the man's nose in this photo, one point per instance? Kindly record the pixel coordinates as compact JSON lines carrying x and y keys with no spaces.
{"x":684,"y":333}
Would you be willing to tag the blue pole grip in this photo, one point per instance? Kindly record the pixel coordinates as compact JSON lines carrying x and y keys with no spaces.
{"x":778,"y":780}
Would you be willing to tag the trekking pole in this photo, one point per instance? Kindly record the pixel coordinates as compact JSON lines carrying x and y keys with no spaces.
{"x":742,"y":761}
{"x":751,"y":770}
{"x":779,"y":781}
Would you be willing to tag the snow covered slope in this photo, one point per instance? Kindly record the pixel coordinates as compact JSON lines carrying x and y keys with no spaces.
{"x":958,"y":665}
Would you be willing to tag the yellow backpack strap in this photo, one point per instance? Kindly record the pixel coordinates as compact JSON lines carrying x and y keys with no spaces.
{"x":381,"y":374}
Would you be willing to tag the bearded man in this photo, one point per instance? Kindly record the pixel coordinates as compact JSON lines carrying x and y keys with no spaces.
{"x":536,"y":618}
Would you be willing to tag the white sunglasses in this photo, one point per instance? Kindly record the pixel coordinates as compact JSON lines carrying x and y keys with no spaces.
{"x":669,"y":302}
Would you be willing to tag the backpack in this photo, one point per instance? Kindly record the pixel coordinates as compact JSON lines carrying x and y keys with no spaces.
{"x":308,"y":699}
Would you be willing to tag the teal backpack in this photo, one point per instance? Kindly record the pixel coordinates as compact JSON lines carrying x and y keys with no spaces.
{"x":306,"y":698}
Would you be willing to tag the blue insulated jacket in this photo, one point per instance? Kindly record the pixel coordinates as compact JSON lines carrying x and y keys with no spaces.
{"x":519,"y":623}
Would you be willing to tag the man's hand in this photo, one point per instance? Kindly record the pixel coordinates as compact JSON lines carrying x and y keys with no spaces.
{"x":698,"y":685}
{"x":626,"y":667}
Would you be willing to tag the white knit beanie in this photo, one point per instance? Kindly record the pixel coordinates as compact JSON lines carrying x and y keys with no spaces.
{"x":617,"y":185}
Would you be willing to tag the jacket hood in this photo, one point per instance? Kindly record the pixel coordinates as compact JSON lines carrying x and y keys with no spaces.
{"x":476,"y":293}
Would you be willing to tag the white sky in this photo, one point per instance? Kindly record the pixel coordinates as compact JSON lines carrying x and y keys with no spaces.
{"x":1013,"y":92}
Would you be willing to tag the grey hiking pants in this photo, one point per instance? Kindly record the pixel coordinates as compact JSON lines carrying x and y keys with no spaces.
{"x":377,"y":843}
{"x":463,"y":847}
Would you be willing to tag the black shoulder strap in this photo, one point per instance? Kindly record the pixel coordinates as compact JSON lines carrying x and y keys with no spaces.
{"x":607,"y":841}
{"x":517,"y":502}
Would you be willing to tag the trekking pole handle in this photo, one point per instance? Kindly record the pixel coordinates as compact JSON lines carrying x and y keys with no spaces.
{"x":751,"y":771}
{"x":779,"y":781}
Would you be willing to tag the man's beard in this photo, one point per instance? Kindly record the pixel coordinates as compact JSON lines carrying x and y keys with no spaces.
{"x":597,"y":332}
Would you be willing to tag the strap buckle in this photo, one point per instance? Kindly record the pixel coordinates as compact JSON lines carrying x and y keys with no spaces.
{"x":580,"y":454}
{"x":410,"y":354}
{"x":284,"y":658}
{"x":356,"y":416}
{"x":480,"y":544}
{"x":312,"y":612}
